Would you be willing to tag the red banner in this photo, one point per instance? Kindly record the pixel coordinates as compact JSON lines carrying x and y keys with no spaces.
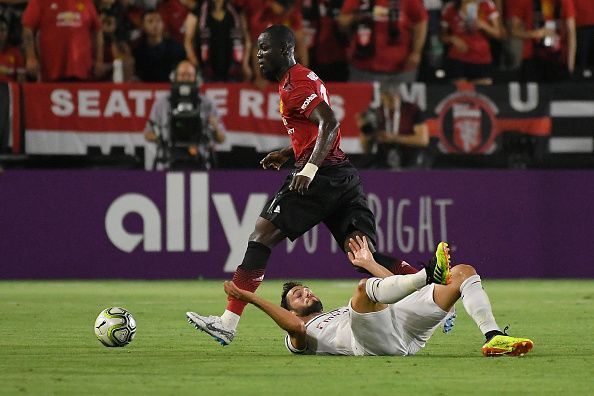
{"x":89,"y":107}
{"x":67,"y":118}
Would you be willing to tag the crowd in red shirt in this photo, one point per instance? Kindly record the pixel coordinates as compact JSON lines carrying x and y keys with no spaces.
{"x":75,"y":40}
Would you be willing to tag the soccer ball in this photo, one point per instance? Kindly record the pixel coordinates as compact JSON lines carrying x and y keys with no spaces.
{"x":115,"y":327}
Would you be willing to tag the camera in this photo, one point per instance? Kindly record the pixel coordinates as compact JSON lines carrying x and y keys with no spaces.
{"x":370,"y":123}
{"x":185,"y":118}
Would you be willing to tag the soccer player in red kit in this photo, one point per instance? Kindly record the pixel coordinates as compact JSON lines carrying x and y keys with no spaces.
{"x":325,"y":187}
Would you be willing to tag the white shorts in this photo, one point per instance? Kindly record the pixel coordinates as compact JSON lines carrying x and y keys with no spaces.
{"x":402,"y":328}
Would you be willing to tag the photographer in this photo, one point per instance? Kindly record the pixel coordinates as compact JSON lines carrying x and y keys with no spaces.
{"x":184,"y":134}
{"x":394,"y":134}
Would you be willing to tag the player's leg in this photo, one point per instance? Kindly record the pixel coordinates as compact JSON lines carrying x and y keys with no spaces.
{"x":391,"y":289}
{"x":369,"y":305}
{"x":362,"y":303}
{"x":250,"y":273}
{"x":286,"y":215}
{"x":466,"y":284}
{"x":351,"y":216}
{"x":395,"y":265}
{"x":357,"y":219}
{"x":248,"y":276}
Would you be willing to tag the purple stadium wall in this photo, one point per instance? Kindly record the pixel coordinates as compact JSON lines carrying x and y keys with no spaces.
{"x":130,"y":224}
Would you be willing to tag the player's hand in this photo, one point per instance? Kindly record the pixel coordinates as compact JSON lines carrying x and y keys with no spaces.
{"x":360,"y":255}
{"x":300,"y":184}
{"x":274,"y":160}
{"x":233,"y":291}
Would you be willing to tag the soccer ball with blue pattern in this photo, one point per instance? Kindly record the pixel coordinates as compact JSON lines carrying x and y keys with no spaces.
{"x":115,"y":327}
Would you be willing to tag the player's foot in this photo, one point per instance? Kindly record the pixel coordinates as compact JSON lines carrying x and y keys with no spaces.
{"x":449,"y":321}
{"x":503,"y":344}
{"x":438,"y":268}
{"x":213,"y":326}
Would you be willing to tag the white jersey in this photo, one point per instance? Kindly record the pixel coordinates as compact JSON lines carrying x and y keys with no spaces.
{"x":400,"y":329}
{"x":328,"y":334}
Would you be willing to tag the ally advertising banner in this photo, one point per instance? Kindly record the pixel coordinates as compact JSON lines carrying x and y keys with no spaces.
{"x":156,"y":225}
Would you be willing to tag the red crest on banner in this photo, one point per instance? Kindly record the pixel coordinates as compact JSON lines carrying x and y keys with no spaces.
{"x":467,"y":123}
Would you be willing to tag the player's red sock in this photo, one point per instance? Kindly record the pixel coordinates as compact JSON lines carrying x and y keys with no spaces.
{"x":404,"y":268}
{"x":249,"y":274}
{"x":394,"y":265}
{"x":247,"y":280}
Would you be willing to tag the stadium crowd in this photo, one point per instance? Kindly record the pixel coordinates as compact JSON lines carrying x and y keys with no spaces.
{"x":342,"y":40}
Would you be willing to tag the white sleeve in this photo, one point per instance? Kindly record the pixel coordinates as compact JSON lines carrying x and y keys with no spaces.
{"x":291,"y":348}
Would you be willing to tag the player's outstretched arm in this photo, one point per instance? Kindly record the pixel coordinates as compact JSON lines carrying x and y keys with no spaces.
{"x":328,"y":125}
{"x":361,"y":256}
{"x":283,"y":318}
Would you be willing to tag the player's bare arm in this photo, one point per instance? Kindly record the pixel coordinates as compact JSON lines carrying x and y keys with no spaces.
{"x":276,"y":159}
{"x":283,"y":318}
{"x":328,"y":125}
{"x":360,"y":256}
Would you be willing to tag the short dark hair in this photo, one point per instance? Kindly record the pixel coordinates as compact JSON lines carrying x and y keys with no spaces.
{"x":149,"y":11}
{"x":286,"y":289}
{"x":281,"y":34}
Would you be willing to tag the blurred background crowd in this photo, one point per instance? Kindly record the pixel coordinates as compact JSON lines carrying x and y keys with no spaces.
{"x":480,"y":41}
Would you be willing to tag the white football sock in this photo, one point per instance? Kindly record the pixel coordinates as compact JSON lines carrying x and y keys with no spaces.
{"x":394,"y":288}
{"x":477,"y":304}
{"x":230,"y":319}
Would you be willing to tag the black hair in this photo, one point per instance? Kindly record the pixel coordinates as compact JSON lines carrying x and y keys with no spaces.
{"x":149,"y":11}
{"x":286,"y":289}
{"x":280,"y":34}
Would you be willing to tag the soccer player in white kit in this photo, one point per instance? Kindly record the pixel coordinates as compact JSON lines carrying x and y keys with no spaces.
{"x":388,"y":314}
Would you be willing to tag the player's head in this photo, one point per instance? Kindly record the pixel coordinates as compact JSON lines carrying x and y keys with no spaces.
{"x":299,"y":299}
{"x":276,"y":48}
{"x":185,"y":72}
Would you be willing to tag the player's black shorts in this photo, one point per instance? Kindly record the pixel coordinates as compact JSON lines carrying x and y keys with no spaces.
{"x":335,"y":198}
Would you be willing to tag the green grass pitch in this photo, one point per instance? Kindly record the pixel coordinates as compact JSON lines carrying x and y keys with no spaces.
{"x":47,"y":345}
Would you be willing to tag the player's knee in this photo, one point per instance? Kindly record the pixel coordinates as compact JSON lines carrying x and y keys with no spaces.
{"x":362,"y":285}
{"x":361,"y":234}
{"x":461,"y":272}
{"x":256,"y":236}
{"x":361,"y":300}
{"x":266,"y":233}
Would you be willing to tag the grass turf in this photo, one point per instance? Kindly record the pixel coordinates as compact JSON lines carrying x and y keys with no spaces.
{"x":47,"y":345}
